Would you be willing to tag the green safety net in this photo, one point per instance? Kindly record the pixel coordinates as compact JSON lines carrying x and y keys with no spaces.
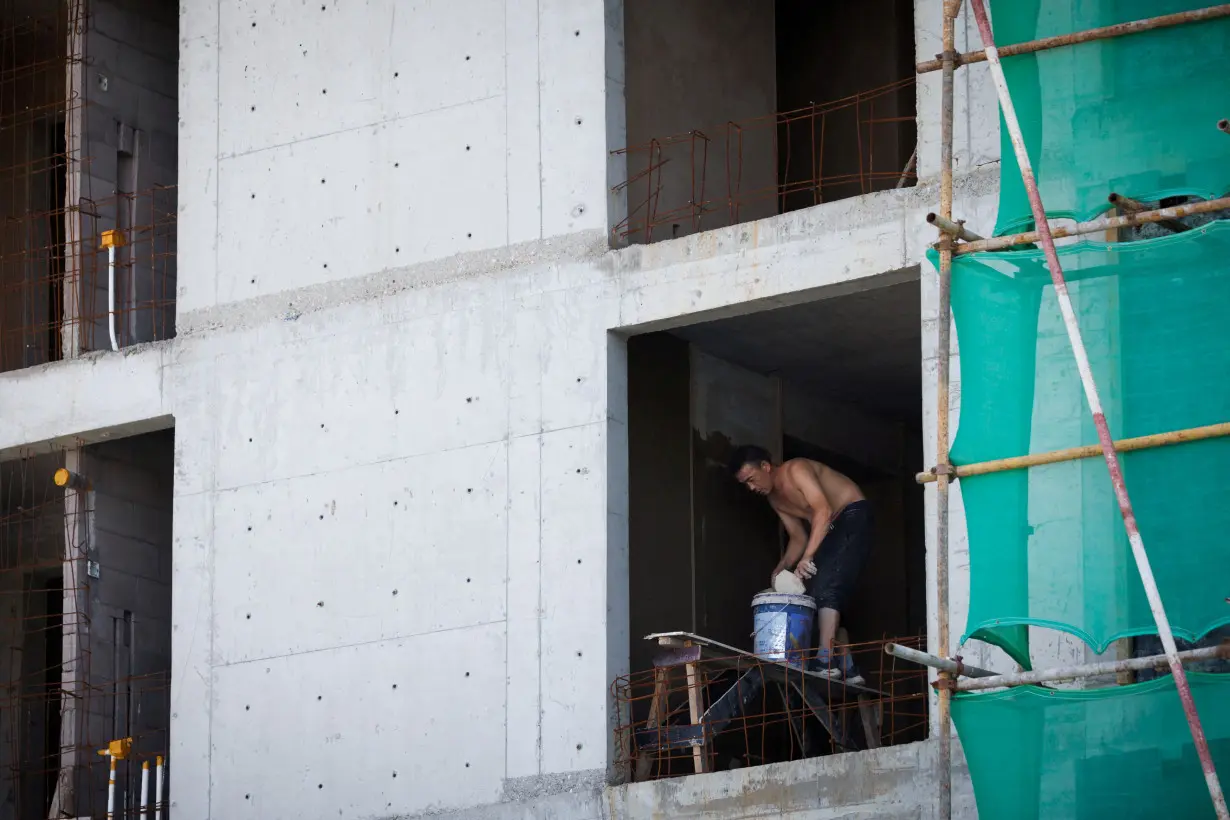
{"x":1046,"y":544}
{"x":1134,"y":115}
{"x":1120,"y":752}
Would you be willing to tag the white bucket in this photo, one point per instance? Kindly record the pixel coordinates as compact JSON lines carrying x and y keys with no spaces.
{"x":782,"y":625}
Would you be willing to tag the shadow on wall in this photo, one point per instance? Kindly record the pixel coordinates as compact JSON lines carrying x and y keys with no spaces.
{"x":736,"y":544}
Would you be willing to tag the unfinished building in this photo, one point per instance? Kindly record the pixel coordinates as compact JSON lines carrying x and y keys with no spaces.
{"x":371,"y":374}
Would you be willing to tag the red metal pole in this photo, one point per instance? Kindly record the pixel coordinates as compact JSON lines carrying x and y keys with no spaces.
{"x":1099,"y":418}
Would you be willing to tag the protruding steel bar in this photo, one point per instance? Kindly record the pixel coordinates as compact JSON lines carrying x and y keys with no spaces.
{"x":1123,"y":445}
{"x":1088,"y":670}
{"x":905,"y":172}
{"x":955,"y":229}
{"x":1103,"y":33}
{"x":943,"y":352}
{"x":1096,"y":225}
{"x":1099,"y":417}
{"x":1131,"y":206}
{"x":953,"y":666}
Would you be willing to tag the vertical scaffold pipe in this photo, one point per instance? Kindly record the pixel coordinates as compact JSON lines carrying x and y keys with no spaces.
{"x":944,"y":348}
{"x":1095,"y":407}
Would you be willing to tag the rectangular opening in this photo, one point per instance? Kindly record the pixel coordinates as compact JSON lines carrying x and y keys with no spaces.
{"x":835,"y":381}
{"x":85,"y":620}
{"x":88,"y":135}
{"x":739,"y":111}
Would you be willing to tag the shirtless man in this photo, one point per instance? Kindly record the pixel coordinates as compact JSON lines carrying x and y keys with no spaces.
{"x":837,"y":517}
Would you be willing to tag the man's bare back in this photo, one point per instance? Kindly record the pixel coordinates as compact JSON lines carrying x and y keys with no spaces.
{"x":787,"y":497}
{"x":828,"y":522}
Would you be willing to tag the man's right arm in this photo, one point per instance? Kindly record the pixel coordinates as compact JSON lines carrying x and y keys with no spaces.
{"x":794,"y":546}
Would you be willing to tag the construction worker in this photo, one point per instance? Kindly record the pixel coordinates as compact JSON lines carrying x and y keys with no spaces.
{"x":830,"y":528}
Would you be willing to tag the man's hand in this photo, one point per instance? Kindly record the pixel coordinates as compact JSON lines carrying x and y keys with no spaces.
{"x":805,"y":570}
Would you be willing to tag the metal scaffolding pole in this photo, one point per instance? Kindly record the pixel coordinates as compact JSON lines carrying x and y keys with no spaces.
{"x":953,"y":666}
{"x":944,"y":349}
{"x":1099,"y":418}
{"x":1103,"y":33}
{"x":1089,"y":670}
{"x":1099,"y":225}
{"x":1123,"y":445}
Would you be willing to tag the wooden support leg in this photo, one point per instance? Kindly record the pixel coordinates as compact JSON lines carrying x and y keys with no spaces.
{"x":695,"y":711}
{"x":870,"y":713}
{"x":657,"y":707}
{"x":797,"y":728}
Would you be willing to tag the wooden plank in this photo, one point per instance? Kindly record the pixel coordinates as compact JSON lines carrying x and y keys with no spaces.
{"x":695,"y":712}
{"x":713,"y":650}
{"x":657,"y":706}
{"x":677,"y":656}
{"x":869,"y":713}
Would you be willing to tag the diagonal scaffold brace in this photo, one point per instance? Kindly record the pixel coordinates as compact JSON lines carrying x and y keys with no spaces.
{"x":1095,"y":407}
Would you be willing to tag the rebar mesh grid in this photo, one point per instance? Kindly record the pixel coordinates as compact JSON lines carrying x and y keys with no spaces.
{"x":53,"y":274}
{"x":56,"y":711}
{"x":800,"y":140}
{"x":774,"y":724}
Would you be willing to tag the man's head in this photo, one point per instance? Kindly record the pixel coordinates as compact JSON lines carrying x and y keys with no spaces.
{"x":752,"y":467}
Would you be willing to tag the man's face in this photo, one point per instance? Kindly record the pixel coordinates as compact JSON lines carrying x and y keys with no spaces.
{"x":756,"y":477}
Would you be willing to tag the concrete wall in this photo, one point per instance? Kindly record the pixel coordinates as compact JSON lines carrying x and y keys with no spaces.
{"x":472,"y":490}
{"x":893,"y":783}
{"x":695,"y":65}
{"x":130,"y":122}
{"x":466,"y":127}
{"x":400,"y":509}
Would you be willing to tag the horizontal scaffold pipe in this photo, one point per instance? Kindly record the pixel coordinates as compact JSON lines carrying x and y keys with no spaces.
{"x":1099,"y":225}
{"x":953,"y":666}
{"x":1125,"y":445}
{"x":1103,"y":33}
{"x":1089,"y":670}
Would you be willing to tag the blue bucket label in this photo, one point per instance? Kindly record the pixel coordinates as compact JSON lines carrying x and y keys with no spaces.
{"x":782,"y":632}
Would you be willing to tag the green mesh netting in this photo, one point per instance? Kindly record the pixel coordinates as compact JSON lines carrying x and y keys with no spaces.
{"x":1121,"y":752}
{"x":1047,"y":545}
{"x":1122,"y":115}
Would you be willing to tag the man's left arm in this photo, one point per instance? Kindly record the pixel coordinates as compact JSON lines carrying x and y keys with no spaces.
{"x":821,"y":512}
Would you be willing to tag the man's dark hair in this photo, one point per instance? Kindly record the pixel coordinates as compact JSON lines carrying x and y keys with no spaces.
{"x":748,"y":454}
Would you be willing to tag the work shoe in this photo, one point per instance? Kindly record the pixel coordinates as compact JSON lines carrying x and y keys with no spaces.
{"x":845,"y":671}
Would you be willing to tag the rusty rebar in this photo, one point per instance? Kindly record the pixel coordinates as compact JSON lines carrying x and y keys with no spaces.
{"x":1102,"y":33}
{"x":663,"y":731}
{"x":799,"y":142}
